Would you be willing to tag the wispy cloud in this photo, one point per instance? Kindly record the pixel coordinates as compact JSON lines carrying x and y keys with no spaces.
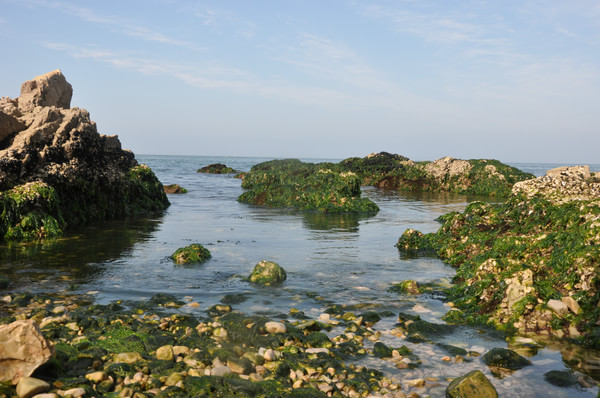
{"x":211,"y":76}
{"x":112,"y":21}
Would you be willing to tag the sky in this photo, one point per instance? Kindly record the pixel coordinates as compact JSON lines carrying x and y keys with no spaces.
{"x":513,"y":80}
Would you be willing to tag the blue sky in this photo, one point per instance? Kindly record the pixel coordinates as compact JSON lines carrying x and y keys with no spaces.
{"x":517,"y":81}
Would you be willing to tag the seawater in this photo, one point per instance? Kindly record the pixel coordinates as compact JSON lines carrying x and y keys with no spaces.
{"x":330,"y":259}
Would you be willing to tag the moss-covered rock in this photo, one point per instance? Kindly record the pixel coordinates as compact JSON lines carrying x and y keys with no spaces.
{"x":267,"y":273}
{"x":217,"y":168}
{"x":470,"y":177}
{"x":305,"y":186}
{"x":514,"y":258}
{"x":505,"y":358}
{"x":472,"y":385}
{"x":194,"y":253}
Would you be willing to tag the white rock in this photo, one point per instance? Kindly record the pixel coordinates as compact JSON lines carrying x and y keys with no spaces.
{"x":275,"y":327}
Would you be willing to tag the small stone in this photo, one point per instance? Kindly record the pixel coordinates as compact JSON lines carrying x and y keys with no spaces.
{"x":30,"y":386}
{"x":275,"y":327}
{"x":325,"y":317}
{"x":75,"y":392}
{"x":220,"y":371}
{"x":572,"y":304}
{"x":298,"y":383}
{"x":558,"y":307}
{"x":181,"y":350}
{"x":173,"y":379}
{"x":317,"y":350}
{"x":270,"y":355}
{"x":96,"y":377}
{"x":573,"y":332}
{"x":415,"y":383}
{"x":46,"y":395}
{"x":59,"y":309}
{"x":128,"y":357}
{"x":165,"y":353}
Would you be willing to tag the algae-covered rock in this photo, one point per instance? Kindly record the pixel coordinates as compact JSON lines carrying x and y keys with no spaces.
{"x":522,"y":263}
{"x":56,"y":170}
{"x":174,"y":189}
{"x":194,"y":253}
{"x":267,"y":273}
{"x":305,"y":186}
{"x":472,"y":385}
{"x":470,"y":177}
{"x":217,"y":168}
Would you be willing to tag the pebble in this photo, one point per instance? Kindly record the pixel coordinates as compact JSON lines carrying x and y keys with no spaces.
{"x":30,"y":386}
{"x":220,"y":371}
{"x":46,"y":395}
{"x":59,"y":309}
{"x":270,"y":355}
{"x":74,"y":392}
{"x":165,"y":353}
{"x":128,"y":357}
{"x":275,"y":327}
{"x":97,"y":377}
{"x":317,"y":350}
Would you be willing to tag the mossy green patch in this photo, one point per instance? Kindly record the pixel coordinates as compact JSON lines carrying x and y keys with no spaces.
{"x":305,"y":186}
{"x":194,"y":253}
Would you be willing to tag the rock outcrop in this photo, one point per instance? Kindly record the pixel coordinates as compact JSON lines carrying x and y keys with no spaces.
{"x":562,"y":184}
{"x":53,"y":154}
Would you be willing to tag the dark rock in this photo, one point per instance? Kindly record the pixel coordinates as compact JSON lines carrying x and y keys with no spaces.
{"x":561,"y":378}
{"x":217,"y":168}
{"x":505,"y":358}
{"x":380,"y":350}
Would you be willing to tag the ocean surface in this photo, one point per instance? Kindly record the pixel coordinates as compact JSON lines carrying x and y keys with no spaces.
{"x":342,"y":259}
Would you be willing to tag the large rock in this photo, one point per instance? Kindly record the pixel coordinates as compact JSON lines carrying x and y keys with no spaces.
{"x":505,"y":359}
{"x":472,"y":385}
{"x":85,"y":176}
{"x":22,"y":350}
{"x":50,"y":89}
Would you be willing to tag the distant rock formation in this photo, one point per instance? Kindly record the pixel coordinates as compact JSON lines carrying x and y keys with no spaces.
{"x":484,"y":177}
{"x":57,"y":170}
{"x":562,"y":184}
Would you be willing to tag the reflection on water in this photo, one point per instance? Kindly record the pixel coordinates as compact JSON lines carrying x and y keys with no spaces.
{"x":330,"y":259}
{"x":77,"y":258}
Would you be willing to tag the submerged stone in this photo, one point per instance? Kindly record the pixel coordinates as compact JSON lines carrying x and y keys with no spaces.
{"x":267,"y":273}
{"x":472,"y":385}
{"x":505,"y":358}
{"x":174,"y":189}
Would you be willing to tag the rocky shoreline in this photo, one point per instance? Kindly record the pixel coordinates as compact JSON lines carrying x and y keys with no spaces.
{"x":529,"y":264}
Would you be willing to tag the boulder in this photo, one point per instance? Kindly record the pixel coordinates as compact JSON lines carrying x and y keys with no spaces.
{"x":29,"y":386}
{"x":50,"y":89}
{"x":472,"y":385}
{"x":194,"y":253}
{"x":22,"y":350}
{"x":267,"y":273}
{"x":79,"y":176}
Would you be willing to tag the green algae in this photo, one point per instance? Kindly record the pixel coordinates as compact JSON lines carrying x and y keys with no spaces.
{"x":513,"y":257}
{"x":38,"y":210}
{"x":267,"y":273}
{"x":304,"y":186}
{"x":483,"y":177}
{"x":194,"y":253}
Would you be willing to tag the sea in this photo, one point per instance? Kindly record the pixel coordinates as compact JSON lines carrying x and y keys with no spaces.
{"x":346,"y":260}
